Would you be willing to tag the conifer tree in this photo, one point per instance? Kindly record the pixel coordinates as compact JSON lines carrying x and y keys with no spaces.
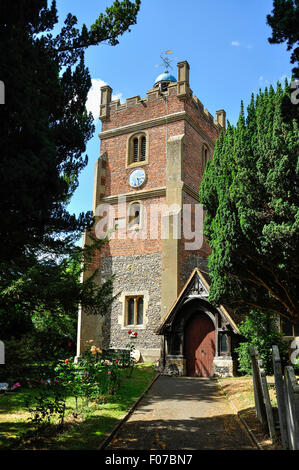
{"x":44,"y":125}
{"x":250,"y":192}
{"x":44,"y":129}
{"x":284,"y":22}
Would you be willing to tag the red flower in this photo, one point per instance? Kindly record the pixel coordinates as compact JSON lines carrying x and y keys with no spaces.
{"x":116,"y":360}
{"x":135,"y":334}
{"x":129,"y":332}
{"x":70,"y":344}
{"x":67,"y":361}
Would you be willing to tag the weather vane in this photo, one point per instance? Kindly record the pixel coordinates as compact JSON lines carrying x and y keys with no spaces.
{"x":166,"y":60}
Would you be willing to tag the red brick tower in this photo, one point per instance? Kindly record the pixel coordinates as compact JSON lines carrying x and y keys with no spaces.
{"x":153,"y":154}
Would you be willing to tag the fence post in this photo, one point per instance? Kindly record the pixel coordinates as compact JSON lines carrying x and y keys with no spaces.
{"x":279,"y":387}
{"x":292,"y":407}
{"x":267,"y":402}
{"x":257,"y":388}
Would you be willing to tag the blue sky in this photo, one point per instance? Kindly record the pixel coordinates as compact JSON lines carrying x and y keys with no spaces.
{"x":224,"y":41}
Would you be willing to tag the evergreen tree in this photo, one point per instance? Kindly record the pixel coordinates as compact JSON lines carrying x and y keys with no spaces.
{"x":44,"y":128}
{"x":44,"y":125}
{"x":250,"y":192}
{"x":284,"y":22}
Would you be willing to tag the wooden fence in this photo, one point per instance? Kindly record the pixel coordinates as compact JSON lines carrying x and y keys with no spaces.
{"x":287,"y":393}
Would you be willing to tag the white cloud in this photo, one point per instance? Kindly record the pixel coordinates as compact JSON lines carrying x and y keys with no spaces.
{"x":118,"y":96}
{"x":235,"y":43}
{"x":94,"y":97}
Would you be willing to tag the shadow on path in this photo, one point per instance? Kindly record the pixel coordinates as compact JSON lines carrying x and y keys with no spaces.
{"x":182,"y":413}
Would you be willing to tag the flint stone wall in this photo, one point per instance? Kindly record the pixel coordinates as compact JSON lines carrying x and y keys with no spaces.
{"x":190,"y":262}
{"x":223,"y":367}
{"x":133,"y":274}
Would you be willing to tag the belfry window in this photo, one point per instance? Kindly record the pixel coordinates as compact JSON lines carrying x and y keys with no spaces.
{"x":134,"y":310}
{"x":137,"y":149}
{"x":205,"y":156}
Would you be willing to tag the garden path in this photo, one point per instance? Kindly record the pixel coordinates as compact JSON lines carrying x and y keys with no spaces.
{"x":182,"y":413}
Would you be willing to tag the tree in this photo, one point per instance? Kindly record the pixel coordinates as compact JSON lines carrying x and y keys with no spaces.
{"x":284,"y":22}
{"x":39,"y":303}
{"x":250,"y":192}
{"x":44,"y":128}
{"x":44,"y":125}
{"x":259,"y":330}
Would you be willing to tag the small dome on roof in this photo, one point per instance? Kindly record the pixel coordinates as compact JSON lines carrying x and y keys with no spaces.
{"x":165,"y":77}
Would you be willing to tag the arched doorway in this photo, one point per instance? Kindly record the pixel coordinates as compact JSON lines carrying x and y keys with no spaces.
{"x":200,"y":345}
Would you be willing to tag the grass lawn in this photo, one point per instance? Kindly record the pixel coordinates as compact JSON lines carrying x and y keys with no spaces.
{"x":84,"y":431}
{"x":240,"y":391}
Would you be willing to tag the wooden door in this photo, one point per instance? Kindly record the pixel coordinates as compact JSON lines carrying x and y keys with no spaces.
{"x":200,"y":347}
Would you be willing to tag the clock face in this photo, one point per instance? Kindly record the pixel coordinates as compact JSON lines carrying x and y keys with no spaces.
{"x":137,"y":178}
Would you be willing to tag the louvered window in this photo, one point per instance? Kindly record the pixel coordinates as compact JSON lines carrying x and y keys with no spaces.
{"x":137,"y":149}
{"x":205,"y":157}
{"x":143,"y":148}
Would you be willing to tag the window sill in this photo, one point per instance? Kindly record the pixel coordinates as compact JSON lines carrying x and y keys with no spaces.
{"x":134,"y":228}
{"x":136,"y":164}
{"x":135,"y":327}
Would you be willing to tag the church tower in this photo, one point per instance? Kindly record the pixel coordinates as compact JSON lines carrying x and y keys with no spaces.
{"x":153,"y":154}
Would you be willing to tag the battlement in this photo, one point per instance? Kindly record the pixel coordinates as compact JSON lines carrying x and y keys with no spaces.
{"x":180,"y":89}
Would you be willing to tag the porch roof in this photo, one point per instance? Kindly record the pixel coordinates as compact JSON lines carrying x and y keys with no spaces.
{"x":205,"y":283}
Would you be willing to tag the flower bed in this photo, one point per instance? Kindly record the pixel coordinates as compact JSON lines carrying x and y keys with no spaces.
{"x":85,"y":424}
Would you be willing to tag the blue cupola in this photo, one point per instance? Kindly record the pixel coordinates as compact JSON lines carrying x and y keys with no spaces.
{"x":164,"y":79}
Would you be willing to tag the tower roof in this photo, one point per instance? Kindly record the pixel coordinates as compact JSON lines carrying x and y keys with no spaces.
{"x":165,"y":77}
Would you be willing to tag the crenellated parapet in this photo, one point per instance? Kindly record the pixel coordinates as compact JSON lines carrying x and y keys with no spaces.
{"x":179,"y":89}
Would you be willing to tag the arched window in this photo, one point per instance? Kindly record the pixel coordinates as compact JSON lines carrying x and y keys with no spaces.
{"x":205,"y":156}
{"x":140,"y":311}
{"x":134,"y":215}
{"x":137,"y":149}
{"x":131,"y":309}
{"x":223,"y":346}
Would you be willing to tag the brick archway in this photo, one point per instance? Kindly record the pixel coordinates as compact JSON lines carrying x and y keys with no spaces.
{"x":200,"y":345}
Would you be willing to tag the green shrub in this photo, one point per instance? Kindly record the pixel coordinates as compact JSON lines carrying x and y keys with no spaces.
{"x":24,"y":354}
{"x":260,"y":331}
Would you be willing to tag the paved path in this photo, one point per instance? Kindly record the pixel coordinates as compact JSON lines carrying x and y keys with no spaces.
{"x":182,"y":413}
